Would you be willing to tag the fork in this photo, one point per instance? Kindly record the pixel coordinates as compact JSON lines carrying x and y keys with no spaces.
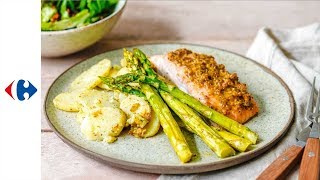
{"x":309,"y":168}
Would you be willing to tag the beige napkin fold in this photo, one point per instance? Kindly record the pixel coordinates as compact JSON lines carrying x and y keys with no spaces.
{"x":293,"y":54}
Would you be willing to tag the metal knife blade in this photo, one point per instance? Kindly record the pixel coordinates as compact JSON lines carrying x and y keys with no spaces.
{"x":303,"y":136}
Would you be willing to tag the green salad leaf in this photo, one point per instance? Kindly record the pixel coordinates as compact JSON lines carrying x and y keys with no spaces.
{"x":65,"y":14}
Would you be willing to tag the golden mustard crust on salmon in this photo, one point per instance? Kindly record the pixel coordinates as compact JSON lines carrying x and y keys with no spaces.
{"x":202,"y":77}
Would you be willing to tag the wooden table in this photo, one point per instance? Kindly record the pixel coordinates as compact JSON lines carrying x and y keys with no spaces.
{"x":228,"y":25}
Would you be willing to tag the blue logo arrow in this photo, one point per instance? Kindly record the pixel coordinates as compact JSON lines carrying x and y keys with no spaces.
{"x":21,"y":90}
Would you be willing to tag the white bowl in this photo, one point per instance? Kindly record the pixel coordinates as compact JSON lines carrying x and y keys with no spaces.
{"x":61,"y":43}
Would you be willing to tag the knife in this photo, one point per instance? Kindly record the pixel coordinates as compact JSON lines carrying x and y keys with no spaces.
{"x":280,"y":167}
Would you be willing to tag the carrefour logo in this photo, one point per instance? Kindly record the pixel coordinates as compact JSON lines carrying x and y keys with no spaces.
{"x":18,"y":90}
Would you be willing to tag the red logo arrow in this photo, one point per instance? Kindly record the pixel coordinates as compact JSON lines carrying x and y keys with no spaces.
{"x":8,"y":89}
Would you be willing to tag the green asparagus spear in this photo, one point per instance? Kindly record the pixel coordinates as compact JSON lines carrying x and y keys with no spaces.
{"x":169,"y":125}
{"x":145,"y":62}
{"x":238,"y":143}
{"x":220,"y":119}
{"x":123,"y":88}
{"x":235,"y":141}
{"x":223,"y":121}
{"x":192,"y":120}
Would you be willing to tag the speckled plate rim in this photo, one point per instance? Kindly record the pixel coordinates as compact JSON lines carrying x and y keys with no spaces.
{"x":183,"y":168}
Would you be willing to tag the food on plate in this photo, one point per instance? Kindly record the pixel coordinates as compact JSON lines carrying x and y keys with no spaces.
{"x":113,"y":72}
{"x":93,"y":98}
{"x":92,"y":101}
{"x":152,"y":127}
{"x":105,"y":123}
{"x":203,"y":78}
{"x":137,"y":109}
{"x":66,"y":14}
{"x":110,"y":98}
{"x":81,"y":115}
{"x":90,"y":78}
{"x":236,"y":142}
{"x":198,"y":126}
{"x":168,"y":123}
{"x":141,"y":117}
{"x":67,"y":101}
{"x":142,"y":72}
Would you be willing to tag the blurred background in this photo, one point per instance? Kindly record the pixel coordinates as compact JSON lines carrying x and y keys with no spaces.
{"x":230,"y":24}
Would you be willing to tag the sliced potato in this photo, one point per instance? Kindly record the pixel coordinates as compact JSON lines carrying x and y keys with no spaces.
{"x":67,"y":101}
{"x":137,"y":109}
{"x":123,"y":71}
{"x":81,"y":115}
{"x":113,"y":71}
{"x":137,"y":131}
{"x":110,"y":139}
{"x":116,"y":68}
{"x":153,"y":126}
{"x":147,"y":131}
{"x":104,"y":86}
{"x":142,"y":118}
{"x":137,"y":120}
{"x":91,"y":99}
{"x":123,"y":62}
{"x":101,"y":123}
{"x":88,"y":129}
{"x":136,"y":105}
{"x":121,"y":96}
{"x":90,"y":78}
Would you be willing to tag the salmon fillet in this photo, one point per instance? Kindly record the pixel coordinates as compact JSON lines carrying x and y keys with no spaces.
{"x":200,"y":76}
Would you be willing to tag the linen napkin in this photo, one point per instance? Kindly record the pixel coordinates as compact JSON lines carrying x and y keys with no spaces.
{"x":294,"y":55}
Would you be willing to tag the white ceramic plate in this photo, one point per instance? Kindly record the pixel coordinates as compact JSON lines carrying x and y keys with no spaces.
{"x":155,"y":155}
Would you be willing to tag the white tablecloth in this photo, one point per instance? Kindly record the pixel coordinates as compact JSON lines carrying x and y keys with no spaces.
{"x":293,"y":54}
